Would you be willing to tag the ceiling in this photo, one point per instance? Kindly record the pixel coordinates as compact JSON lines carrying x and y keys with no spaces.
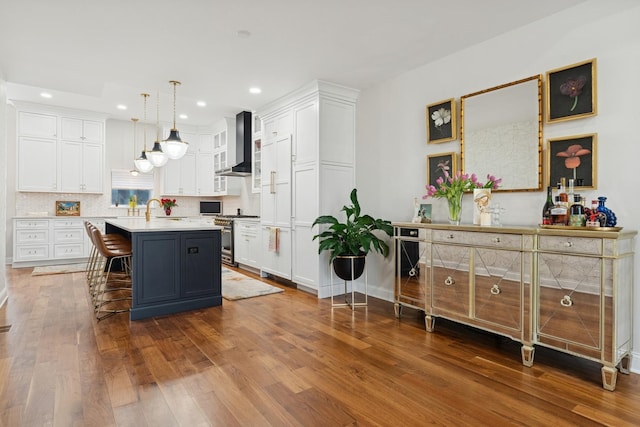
{"x":95,"y":55}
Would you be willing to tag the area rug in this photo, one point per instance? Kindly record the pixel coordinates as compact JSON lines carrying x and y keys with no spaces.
{"x":237,"y":286}
{"x":59,"y":269}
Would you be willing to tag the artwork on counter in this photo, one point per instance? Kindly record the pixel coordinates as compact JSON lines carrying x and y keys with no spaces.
{"x":441,"y":121}
{"x":65,"y":208}
{"x":571,"y":92}
{"x":425,"y":213}
{"x":438,"y":164}
{"x":572,"y":158}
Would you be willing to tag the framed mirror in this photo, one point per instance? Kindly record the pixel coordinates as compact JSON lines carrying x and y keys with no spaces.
{"x":501,"y":134}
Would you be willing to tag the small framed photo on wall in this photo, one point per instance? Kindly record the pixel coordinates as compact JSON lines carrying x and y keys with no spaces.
{"x":442,"y":125}
{"x":438,"y":165}
{"x":65,"y":208}
{"x":573,"y":158}
{"x":571,"y":92}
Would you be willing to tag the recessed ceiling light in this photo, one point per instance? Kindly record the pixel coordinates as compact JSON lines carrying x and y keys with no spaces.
{"x":183,"y":116}
{"x":46,"y":95}
{"x":243,"y":34}
{"x":201,"y":104}
{"x":121,"y":107}
{"x":255,"y":90}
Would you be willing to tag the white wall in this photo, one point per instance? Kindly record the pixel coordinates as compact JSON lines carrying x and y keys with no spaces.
{"x":3,"y":190}
{"x":391,"y":131}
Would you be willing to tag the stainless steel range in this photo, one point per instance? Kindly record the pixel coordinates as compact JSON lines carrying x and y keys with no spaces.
{"x":226,"y":221}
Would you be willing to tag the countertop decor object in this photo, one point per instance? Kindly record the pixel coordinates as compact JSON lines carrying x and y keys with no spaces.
{"x":453,"y":187}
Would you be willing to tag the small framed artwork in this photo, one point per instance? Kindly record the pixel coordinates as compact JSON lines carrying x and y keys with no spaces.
{"x":438,"y":165}
{"x":571,"y":92}
{"x":573,"y":158}
{"x":441,"y":121}
{"x":425,"y":213}
{"x":64,"y":208}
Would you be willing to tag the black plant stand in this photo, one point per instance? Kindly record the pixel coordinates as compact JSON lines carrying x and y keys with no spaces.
{"x":350,"y":303}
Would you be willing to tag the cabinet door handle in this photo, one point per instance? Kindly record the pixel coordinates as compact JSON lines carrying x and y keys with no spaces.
{"x":272,"y":183}
{"x":495,"y":290}
{"x":566,"y":301}
{"x":449,"y":281}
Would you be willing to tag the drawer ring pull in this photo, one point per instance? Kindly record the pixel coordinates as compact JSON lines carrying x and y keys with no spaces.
{"x":495,"y":290}
{"x":449,"y":281}
{"x":568,"y":244}
{"x":412,"y":272}
{"x":496,"y":240}
{"x":450,"y":236}
{"x":566,"y":301}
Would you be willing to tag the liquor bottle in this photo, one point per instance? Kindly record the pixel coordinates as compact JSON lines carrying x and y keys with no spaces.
{"x":562,"y":193}
{"x":559,"y":213}
{"x":576,"y":212}
{"x":570,"y":192}
{"x":546,"y":209}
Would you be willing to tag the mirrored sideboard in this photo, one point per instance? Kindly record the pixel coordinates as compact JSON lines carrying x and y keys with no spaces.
{"x":570,"y":290}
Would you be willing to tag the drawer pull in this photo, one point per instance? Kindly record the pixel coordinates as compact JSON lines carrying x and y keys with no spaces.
{"x":449,"y":281}
{"x":568,"y":244}
{"x":495,"y":290}
{"x":566,"y":301}
{"x":496,"y":240}
{"x":450,"y":236}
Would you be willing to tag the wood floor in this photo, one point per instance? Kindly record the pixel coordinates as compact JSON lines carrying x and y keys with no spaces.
{"x":285,"y":359}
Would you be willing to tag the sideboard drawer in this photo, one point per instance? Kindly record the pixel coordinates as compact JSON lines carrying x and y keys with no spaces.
{"x":494,"y":240}
{"x":448,"y":236}
{"x":71,"y":235}
{"x":68,"y":223}
{"x":69,"y":251}
{"x":31,"y":253}
{"x":32,"y":223}
{"x":31,"y":236}
{"x":578,"y":245}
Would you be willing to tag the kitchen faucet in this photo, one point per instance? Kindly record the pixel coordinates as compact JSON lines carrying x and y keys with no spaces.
{"x":147,"y":214}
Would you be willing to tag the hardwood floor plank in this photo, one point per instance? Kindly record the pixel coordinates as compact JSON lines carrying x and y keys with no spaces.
{"x":285,"y":359}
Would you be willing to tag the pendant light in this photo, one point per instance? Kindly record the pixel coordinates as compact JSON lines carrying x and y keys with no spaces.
{"x":176,"y":147}
{"x":134,"y":171}
{"x":156,"y":156}
{"x":142,"y":163}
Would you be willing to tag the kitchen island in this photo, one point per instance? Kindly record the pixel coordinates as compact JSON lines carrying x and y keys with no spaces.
{"x":176,"y":264}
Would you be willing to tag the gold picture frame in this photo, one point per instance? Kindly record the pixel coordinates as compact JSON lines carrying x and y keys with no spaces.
{"x":571,"y":92}
{"x":573,"y":157}
{"x":442,"y":121}
{"x":437,"y":164}
{"x":67,"y":208}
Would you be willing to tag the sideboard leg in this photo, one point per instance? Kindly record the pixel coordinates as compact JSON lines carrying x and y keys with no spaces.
{"x":528,"y":352}
{"x":397,"y":308}
{"x":429,"y":322}
{"x":609,"y":376}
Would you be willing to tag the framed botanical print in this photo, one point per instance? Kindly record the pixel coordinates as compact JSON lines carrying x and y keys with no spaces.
{"x":571,"y":92}
{"x":573,"y":158}
{"x":438,"y":165}
{"x":442,"y":121}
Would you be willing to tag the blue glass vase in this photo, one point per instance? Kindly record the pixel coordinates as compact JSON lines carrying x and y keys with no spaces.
{"x":611,"y":217}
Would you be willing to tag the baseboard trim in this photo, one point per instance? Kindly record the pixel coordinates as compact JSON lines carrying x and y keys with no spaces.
{"x":634,"y":365}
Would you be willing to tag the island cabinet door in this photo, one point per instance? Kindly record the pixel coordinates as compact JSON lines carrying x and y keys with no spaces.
{"x":156,"y":267}
{"x":200,"y":261}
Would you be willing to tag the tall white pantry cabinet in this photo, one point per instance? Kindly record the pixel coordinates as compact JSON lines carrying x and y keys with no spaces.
{"x":308,"y":170}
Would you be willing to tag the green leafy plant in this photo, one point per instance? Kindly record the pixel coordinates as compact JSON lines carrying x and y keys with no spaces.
{"x":355,"y":236}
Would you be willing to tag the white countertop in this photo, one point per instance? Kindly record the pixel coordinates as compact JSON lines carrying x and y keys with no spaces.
{"x":138,"y":224}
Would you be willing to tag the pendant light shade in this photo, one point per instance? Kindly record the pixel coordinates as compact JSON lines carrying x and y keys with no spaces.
{"x":142,"y":163}
{"x":176,"y":148}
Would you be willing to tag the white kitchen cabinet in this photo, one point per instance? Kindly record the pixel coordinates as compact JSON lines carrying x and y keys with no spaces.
{"x":205,"y":174}
{"x":318,"y":121}
{"x":224,"y":155}
{"x":81,"y":167}
{"x":69,"y":161}
{"x":205,"y":143}
{"x":49,"y":241}
{"x":247,"y":248}
{"x":37,"y":167}
{"x":180,"y":176}
{"x":37,"y":125}
{"x":80,"y":130}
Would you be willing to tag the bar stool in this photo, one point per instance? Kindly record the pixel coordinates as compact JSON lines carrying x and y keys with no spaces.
{"x":110,"y":240}
{"x":104,"y":281}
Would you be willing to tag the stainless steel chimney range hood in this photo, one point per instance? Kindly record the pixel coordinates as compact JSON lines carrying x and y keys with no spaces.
{"x":243,"y":147}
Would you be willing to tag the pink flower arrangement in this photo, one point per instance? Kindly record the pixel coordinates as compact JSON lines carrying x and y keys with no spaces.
{"x":451,"y":187}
